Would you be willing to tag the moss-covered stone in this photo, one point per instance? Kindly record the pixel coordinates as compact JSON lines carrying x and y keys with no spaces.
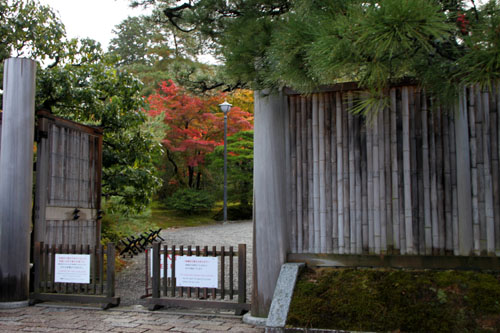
{"x":397,"y":300}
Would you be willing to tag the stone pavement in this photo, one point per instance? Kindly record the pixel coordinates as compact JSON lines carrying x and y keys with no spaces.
{"x":42,"y":318}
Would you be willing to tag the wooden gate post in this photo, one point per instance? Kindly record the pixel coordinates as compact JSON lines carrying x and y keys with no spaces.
{"x":270,"y":211}
{"x":16,"y":179}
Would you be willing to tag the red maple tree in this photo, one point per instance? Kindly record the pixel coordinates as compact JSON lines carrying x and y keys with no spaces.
{"x":195,"y":127}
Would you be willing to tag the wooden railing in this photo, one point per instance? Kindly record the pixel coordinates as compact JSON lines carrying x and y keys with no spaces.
{"x":165,"y":292}
{"x":101,"y":288}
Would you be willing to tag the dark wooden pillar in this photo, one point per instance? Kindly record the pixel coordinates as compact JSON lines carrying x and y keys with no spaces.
{"x":16,"y":179}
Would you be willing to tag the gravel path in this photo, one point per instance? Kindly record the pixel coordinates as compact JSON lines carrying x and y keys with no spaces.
{"x":131,"y":280}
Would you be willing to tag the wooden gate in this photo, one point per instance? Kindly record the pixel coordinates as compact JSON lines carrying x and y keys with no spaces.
{"x":165,"y":291}
{"x":101,"y":286}
{"x":68,"y":178}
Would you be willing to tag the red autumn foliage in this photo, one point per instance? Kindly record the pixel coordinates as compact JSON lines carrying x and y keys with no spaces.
{"x":195,"y":124}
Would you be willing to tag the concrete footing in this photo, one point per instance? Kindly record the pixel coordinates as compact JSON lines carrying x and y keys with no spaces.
{"x":255,"y":321}
{"x":14,"y":305}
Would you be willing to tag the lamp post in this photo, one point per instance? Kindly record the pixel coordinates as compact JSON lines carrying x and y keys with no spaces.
{"x":225,"y":107}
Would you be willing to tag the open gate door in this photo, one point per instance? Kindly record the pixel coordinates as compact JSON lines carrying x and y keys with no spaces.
{"x":68,"y":178}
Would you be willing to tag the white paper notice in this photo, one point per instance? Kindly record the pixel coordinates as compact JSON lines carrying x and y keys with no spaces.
{"x":162,"y":259}
{"x":72,"y":268}
{"x":200,"y":272}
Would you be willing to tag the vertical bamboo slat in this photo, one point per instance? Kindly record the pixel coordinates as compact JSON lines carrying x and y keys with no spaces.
{"x":334,"y":222}
{"x":310,"y":177}
{"x":440,"y":180}
{"x":345,"y":169}
{"x":488,"y":188}
{"x":454,"y":198}
{"x":358,"y":204}
{"x":419,"y":220}
{"x":497,"y":216}
{"x":495,"y":165}
{"x":328,"y":173}
{"x":381,"y":176}
{"x":394,"y":173}
{"x":474,"y":171}
{"x":364,"y":188}
{"x":376,"y":184}
{"x":305,"y":180}
{"x":407,"y":171}
{"x":351,"y":173}
{"x":300,"y":173}
{"x":426,"y":179}
{"x":340,"y":164}
{"x":369,"y":186}
{"x":322,"y":178}
{"x":448,"y":192}
{"x":293,"y":147}
{"x":480,"y":171}
{"x":316,"y":180}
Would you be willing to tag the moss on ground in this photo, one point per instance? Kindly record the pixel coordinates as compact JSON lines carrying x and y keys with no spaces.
{"x":397,"y":300}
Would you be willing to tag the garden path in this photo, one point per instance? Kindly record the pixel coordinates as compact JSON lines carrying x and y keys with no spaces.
{"x":131,"y":280}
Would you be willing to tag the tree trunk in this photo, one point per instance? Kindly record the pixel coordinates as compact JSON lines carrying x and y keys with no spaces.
{"x":190,"y":176}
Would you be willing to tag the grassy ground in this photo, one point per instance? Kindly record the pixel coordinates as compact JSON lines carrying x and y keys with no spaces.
{"x":116,"y":226}
{"x":379,"y":300}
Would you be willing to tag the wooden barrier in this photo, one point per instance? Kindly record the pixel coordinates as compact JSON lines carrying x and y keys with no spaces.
{"x":164,"y":292}
{"x":101,"y":288}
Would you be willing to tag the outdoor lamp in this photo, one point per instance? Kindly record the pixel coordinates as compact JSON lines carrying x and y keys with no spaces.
{"x":225,"y":107}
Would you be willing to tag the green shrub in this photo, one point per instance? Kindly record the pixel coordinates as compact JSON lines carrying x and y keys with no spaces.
{"x":188,"y":201}
{"x":235,"y":213}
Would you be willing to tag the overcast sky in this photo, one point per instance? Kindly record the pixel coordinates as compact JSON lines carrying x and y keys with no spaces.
{"x":92,"y":18}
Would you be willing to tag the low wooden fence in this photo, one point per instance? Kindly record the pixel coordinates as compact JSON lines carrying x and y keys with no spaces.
{"x":165,"y":292}
{"x":101,"y":288}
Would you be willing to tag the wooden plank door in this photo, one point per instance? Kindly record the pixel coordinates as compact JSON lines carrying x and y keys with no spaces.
{"x":68,"y":178}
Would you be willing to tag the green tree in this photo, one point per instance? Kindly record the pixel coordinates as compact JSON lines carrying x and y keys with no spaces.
{"x":82,"y":83}
{"x":87,"y":88}
{"x":154,"y":52}
{"x":306,"y":43}
{"x":29,"y":29}
{"x":239,"y":166}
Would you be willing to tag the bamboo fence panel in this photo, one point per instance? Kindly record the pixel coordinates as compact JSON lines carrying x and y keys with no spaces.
{"x":388,"y":184}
